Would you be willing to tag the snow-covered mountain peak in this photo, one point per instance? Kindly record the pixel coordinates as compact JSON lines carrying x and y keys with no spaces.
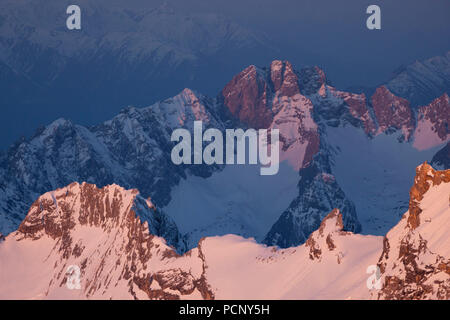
{"x":64,"y":213}
{"x":193,"y":99}
{"x":331,"y":223}
{"x":110,"y":236}
{"x":433,"y":123}
{"x":422,"y":81}
{"x":415,"y":260}
{"x":271,"y":98}
{"x":57,"y":124}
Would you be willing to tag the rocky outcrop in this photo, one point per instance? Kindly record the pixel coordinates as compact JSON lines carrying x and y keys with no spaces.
{"x":339,"y":108}
{"x":271,"y":98}
{"x":319,"y":193}
{"x":100,"y":232}
{"x":415,"y":264}
{"x":311,"y":79}
{"x":58,"y":213}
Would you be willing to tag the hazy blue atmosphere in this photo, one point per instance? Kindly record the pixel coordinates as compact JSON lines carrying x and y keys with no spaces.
{"x":129,"y":53}
{"x":333,"y":34}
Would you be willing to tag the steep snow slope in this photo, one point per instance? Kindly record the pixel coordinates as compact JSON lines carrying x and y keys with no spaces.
{"x":332,"y":264}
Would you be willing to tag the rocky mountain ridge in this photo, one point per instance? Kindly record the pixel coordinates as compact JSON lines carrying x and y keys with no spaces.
{"x":101,"y":231}
{"x":133,"y":148}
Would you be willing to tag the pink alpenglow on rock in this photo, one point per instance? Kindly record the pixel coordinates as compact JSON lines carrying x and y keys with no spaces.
{"x":433,"y":124}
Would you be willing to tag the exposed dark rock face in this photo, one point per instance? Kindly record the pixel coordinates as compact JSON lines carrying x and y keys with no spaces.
{"x":412,"y":264}
{"x":277,"y":95}
{"x":331,"y":225}
{"x":128,"y":252}
{"x":392,"y":112}
{"x":155,"y":54}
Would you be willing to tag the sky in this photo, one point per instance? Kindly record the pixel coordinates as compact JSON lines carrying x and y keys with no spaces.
{"x":328,"y":33}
